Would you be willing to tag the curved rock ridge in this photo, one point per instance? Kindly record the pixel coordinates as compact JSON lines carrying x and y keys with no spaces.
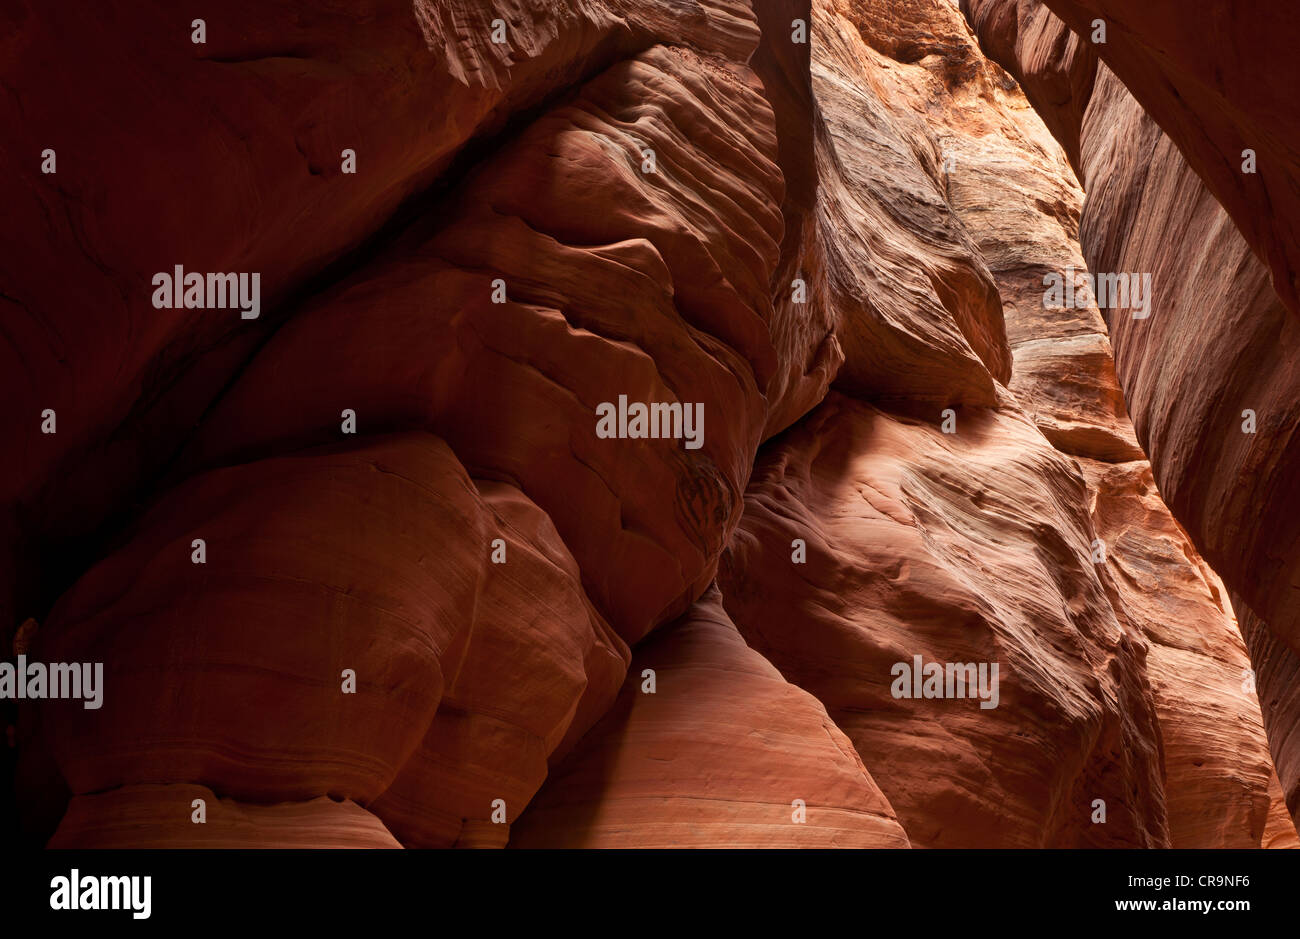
{"x":567,"y":215}
{"x":554,"y":226}
{"x":1220,"y":786}
{"x":804,"y":334}
{"x":919,"y":314}
{"x":1186,"y":68}
{"x":908,"y":556}
{"x":1055,"y":67}
{"x":1022,"y":207}
{"x":1210,"y":376}
{"x":230,"y":157}
{"x":1005,"y":180}
{"x":1277,"y":679}
{"x":376,"y":632}
{"x":649,"y":774}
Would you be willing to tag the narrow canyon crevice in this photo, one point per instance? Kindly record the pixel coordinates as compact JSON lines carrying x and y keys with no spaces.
{"x":829,"y":225}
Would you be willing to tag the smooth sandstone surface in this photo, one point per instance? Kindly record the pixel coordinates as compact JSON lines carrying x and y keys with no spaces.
{"x":1189,"y":70}
{"x":718,"y":755}
{"x":1218,"y":772}
{"x":564,"y":219}
{"x":468,"y":675}
{"x":1219,"y":78}
{"x":143,"y":817}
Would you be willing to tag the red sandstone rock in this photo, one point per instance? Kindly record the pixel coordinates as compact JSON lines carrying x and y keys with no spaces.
{"x":469,"y":674}
{"x":919,"y":315}
{"x":226,"y":156}
{"x":1006,"y":181}
{"x":1219,"y":78}
{"x":566,"y":218}
{"x":649,"y":774}
{"x":1279,"y":830}
{"x":967,"y":547}
{"x":1056,"y":67}
{"x":896,"y":172}
{"x":1219,"y":343}
{"x":1219,"y":782}
{"x":164,"y":817}
{"x":1186,"y":68}
{"x":1277,"y":679}
{"x":808,"y":349}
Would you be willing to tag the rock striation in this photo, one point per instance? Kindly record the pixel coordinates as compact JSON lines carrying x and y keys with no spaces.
{"x":366,"y":569}
{"x":649,"y":775}
{"x":1210,"y":376}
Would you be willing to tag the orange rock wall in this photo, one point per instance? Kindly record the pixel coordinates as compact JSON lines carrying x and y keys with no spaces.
{"x":363,"y":572}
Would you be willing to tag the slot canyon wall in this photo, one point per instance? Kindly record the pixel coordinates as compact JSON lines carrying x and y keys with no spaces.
{"x":363,"y":570}
{"x":1224,"y":338}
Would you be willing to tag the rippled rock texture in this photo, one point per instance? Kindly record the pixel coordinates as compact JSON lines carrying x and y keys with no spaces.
{"x":364,"y":569}
{"x":1211,"y":376}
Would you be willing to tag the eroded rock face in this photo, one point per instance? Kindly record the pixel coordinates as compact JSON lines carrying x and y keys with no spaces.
{"x":804,"y":334}
{"x":365,"y":571}
{"x":1055,"y":66}
{"x":863,"y":606}
{"x":1185,"y":67}
{"x":492,"y":327}
{"x":1277,"y":679}
{"x":1218,"y":784}
{"x":919,"y":314}
{"x":1219,"y":343}
{"x":165,"y":817}
{"x":909,"y":557}
{"x":650,"y":774}
{"x":230,"y":159}
{"x":465,"y":676}
{"x":565,"y":217}
{"x":1008,"y":184}
{"x":1210,"y":376}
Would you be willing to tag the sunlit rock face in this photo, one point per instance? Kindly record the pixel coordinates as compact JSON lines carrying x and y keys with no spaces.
{"x":1191,"y":71}
{"x":1188,"y":69}
{"x":919,"y":315}
{"x":907,"y":556}
{"x":376,"y":567}
{"x":1211,"y":375}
